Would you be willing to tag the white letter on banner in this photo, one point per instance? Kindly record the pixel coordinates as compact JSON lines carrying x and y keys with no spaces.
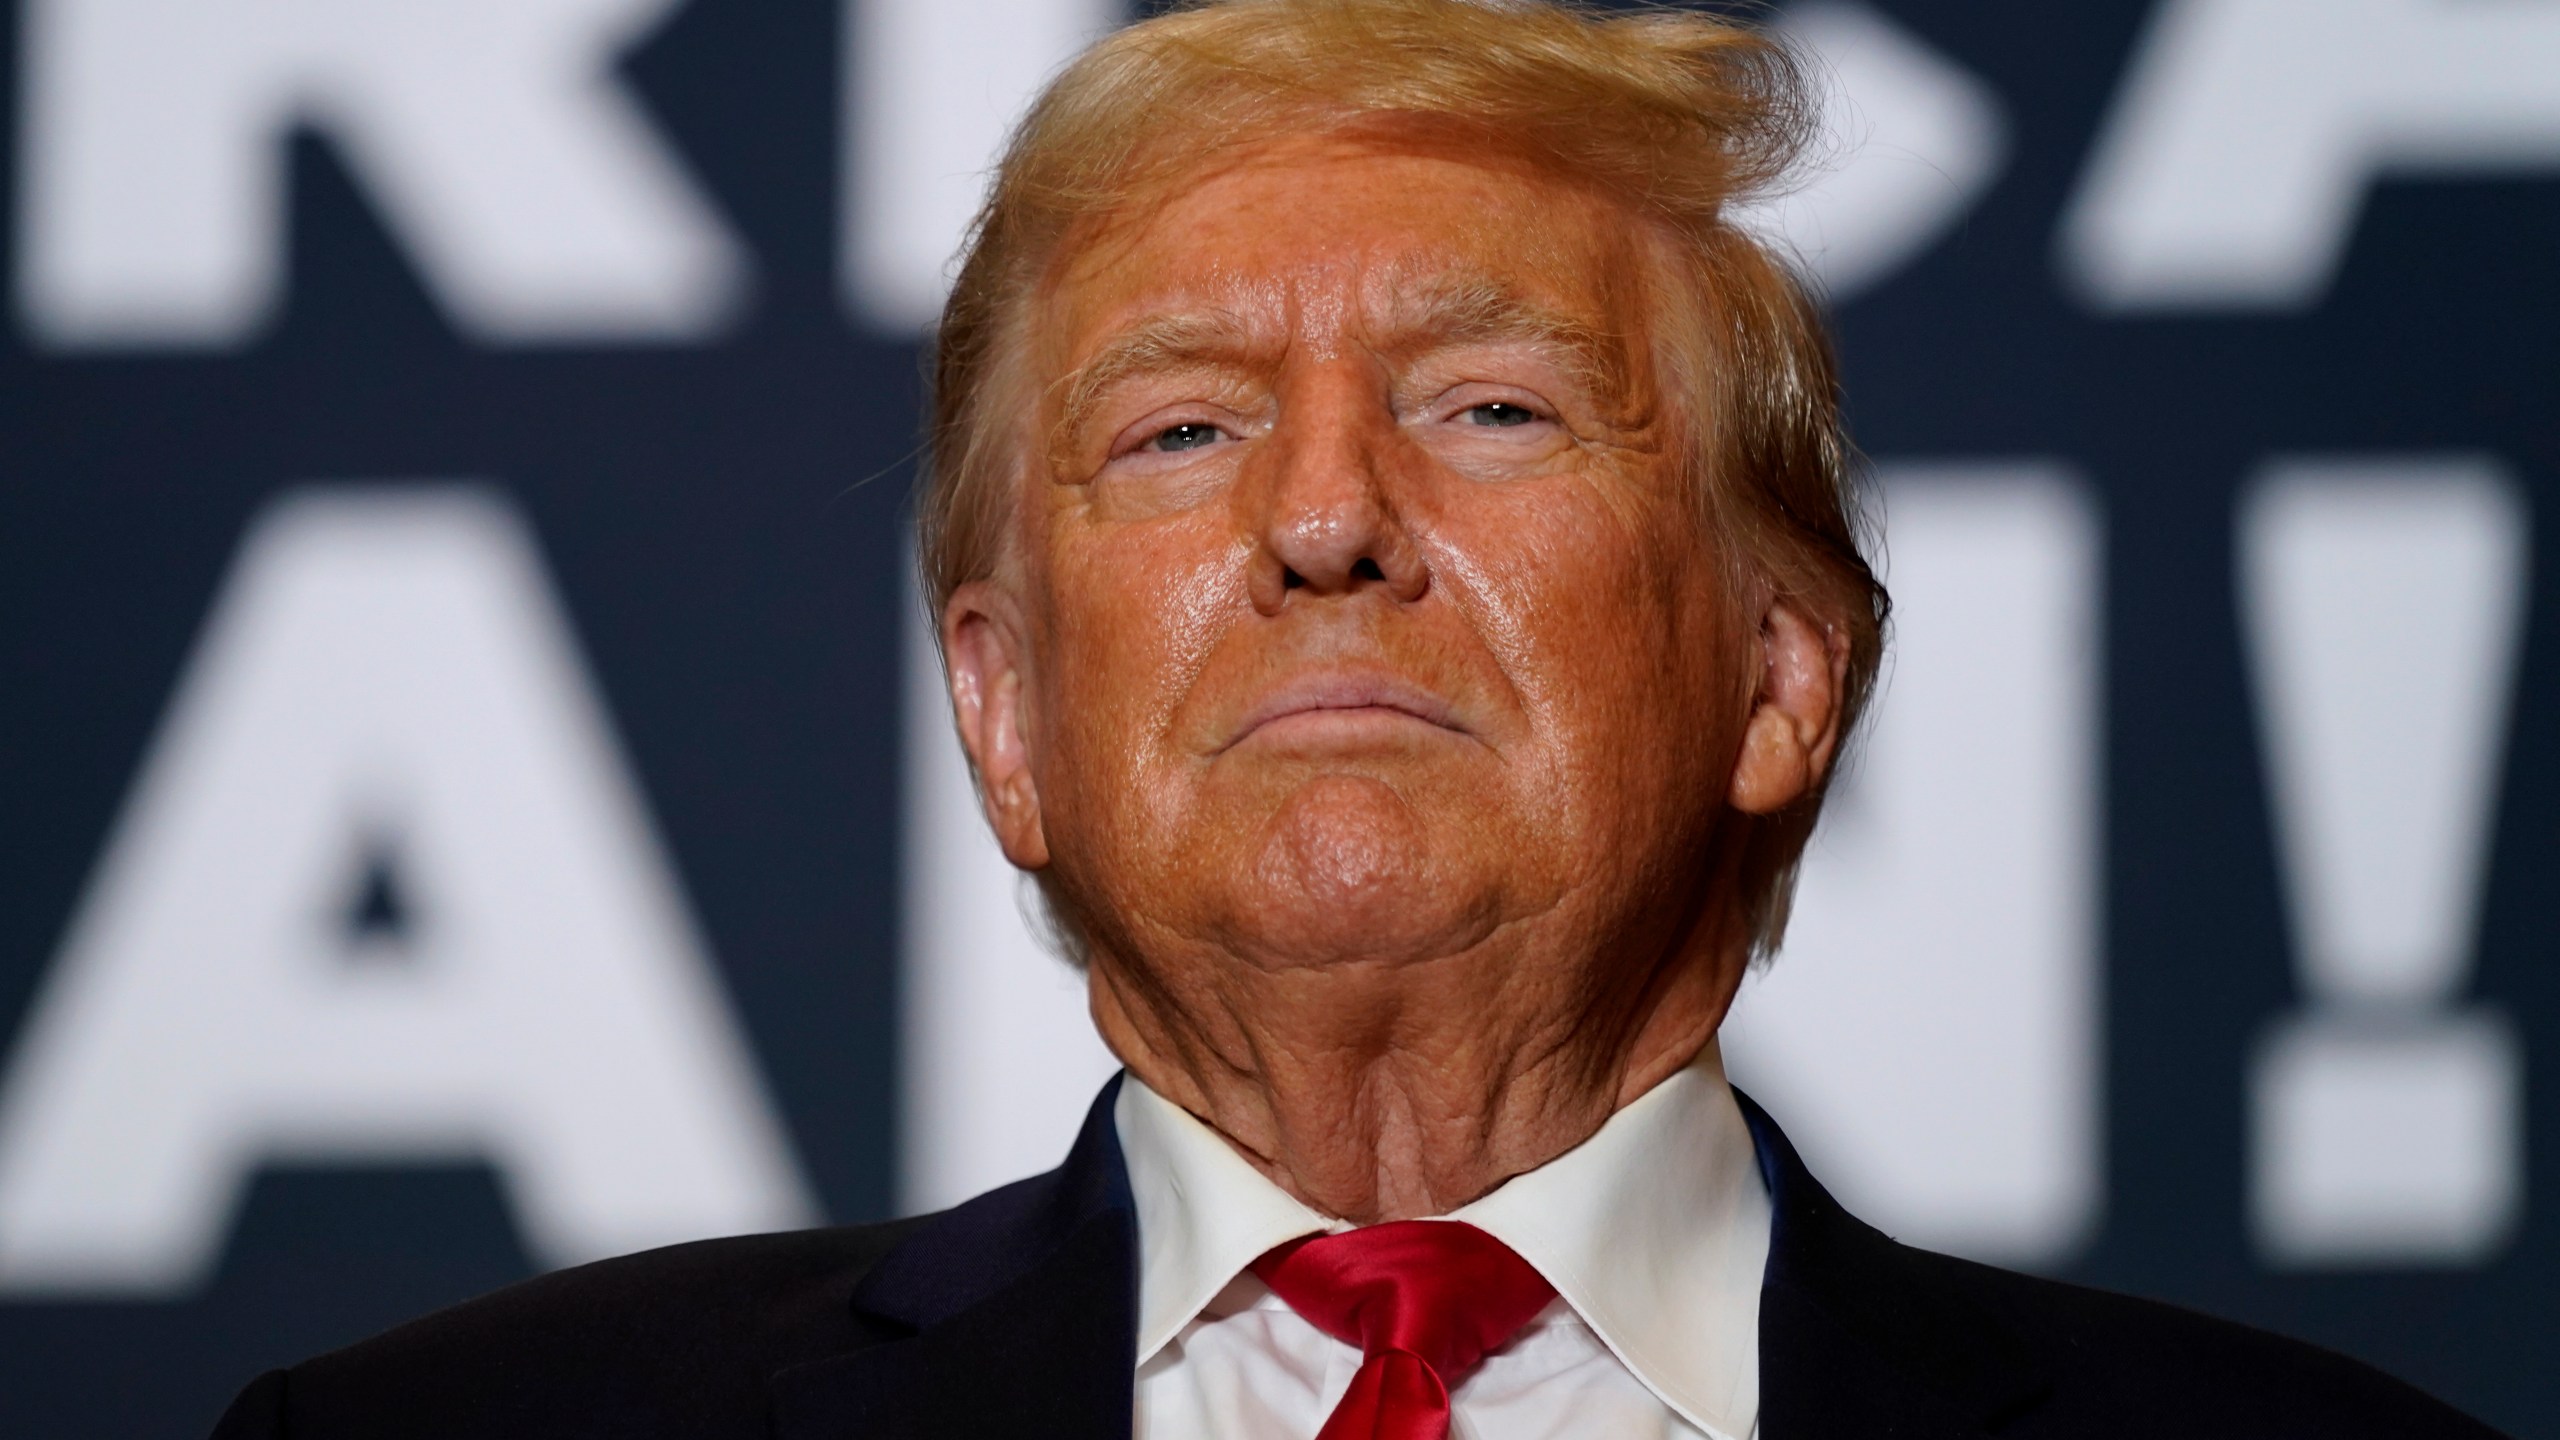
{"x":1910,"y":140}
{"x":931,"y":89}
{"x":2237,"y":159}
{"x":534,"y":196}
{"x":1931,"y":1034}
{"x":2384,"y":601}
{"x":386,"y":680}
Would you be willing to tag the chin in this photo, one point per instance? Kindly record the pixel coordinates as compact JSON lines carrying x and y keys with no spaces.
{"x":1347,"y":873}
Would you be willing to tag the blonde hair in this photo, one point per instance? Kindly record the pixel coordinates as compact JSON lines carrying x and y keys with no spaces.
{"x":1675,"y":115}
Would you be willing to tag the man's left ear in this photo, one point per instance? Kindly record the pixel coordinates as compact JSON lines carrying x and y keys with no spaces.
{"x":1795,"y":722}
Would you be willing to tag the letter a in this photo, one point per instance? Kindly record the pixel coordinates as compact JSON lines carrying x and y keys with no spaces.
{"x":385,"y":673}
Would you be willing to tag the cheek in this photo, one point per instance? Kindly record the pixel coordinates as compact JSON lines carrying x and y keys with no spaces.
{"x":1133,"y":612}
{"x":1610,"y":622}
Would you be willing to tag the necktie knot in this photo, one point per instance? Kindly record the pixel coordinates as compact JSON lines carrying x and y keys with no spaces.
{"x":1425,"y":1300}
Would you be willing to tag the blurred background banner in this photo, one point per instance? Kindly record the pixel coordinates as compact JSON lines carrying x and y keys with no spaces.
{"x":474,"y":795}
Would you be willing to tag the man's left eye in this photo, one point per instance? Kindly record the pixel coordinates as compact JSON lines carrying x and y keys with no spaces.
{"x":1500,"y":413}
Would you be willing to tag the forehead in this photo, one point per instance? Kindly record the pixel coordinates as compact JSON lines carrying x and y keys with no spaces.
{"x":1339,"y":236}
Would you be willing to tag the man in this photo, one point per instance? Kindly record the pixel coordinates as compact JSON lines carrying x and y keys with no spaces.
{"x":1399,"y":578}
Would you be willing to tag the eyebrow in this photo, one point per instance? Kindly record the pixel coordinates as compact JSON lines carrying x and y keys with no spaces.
{"x":1205,"y":339}
{"x":1441,"y":311}
{"x":1447,"y":309}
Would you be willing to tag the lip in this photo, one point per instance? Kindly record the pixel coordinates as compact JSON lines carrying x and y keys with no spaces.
{"x":1347,"y":693}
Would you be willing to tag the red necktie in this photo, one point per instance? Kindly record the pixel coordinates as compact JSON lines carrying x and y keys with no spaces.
{"x":1425,"y":1300}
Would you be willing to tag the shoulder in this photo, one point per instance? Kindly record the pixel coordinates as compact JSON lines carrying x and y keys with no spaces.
{"x":1917,"y":1333}
{"x":2121,"y":1365}
{"x":679,"y":1341}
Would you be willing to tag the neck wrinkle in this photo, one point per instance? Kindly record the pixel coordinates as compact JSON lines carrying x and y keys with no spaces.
{"x":1366,"y":1113}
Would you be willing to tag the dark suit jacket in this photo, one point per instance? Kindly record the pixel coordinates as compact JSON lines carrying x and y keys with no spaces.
{"x":1016,"y":1315}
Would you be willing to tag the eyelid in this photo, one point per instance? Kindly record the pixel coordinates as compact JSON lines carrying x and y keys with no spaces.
{"x":1209,"y":394}
{"x":1457,"y":400}
{"x":1133,"y":439}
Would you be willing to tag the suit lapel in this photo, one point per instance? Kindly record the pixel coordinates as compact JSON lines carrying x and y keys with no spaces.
{"x":1014,"y":1314}
{"x":1861,"y":1337}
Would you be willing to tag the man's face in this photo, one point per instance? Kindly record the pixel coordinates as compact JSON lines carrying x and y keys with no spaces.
{"x":1361,"y":611}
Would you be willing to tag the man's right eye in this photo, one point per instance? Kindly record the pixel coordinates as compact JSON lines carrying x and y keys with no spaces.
{"x":1190,"y":436}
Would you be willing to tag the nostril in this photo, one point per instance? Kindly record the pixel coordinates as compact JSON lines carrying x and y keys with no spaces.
{"x":1291,"y":579}
{"x":1367,"y":569}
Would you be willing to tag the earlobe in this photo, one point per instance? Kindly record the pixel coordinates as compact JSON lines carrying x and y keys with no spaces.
{"x":983,"y":652}
{"x":1787,"y":744}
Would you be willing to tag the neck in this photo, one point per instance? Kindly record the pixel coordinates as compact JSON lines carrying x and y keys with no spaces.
{"x":1392,"y":1090}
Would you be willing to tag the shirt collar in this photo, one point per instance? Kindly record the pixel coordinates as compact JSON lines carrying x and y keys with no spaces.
{"x":1655,"y":1230}
{"x":1204,"y":1214}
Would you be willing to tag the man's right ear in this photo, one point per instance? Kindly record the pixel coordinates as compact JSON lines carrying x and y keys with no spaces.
{"x":983,"y":656}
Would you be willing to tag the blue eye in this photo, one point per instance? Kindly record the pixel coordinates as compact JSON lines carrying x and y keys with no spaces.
{"x":1500,"y":414}
{"x":1190,"y":436}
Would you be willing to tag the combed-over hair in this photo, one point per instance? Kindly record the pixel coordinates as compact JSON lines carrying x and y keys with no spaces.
{"x":1676,"y":115}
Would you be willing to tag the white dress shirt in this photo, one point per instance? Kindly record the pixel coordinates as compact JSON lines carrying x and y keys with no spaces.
{"x":1654,"y":1232}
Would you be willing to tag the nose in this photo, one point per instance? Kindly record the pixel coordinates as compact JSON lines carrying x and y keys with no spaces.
{"x":1329,"y":524}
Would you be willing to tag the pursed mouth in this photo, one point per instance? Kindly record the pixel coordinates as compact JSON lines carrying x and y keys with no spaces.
{"x":1349,"y":696}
